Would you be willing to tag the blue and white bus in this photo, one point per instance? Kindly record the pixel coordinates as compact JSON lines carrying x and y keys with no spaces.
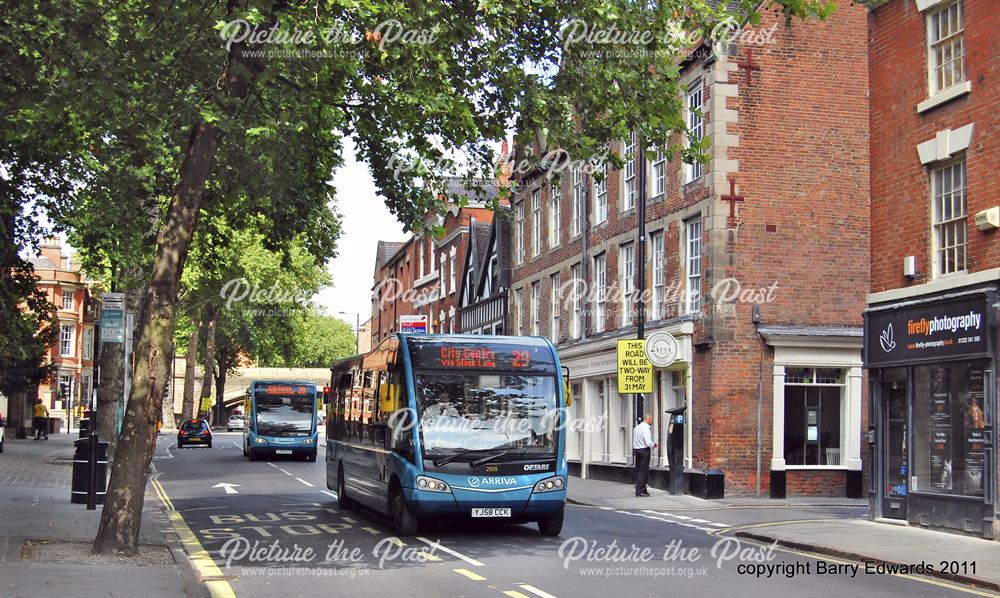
{"x":280,"y":420}
{"x":449,"y":426}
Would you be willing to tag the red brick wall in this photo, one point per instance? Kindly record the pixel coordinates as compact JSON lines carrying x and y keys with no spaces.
{"x":816,"y":483}
{"x":803,"y":171}
{"x":900,"y":191}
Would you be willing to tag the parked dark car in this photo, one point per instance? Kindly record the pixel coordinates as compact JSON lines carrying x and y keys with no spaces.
{"x":194,"y":431}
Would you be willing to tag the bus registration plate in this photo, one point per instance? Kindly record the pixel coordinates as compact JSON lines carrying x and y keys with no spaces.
{"x":282,"y":452}
{"x":491,"y":512}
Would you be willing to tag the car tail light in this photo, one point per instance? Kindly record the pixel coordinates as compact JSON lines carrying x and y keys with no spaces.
{"x":183,"y":433}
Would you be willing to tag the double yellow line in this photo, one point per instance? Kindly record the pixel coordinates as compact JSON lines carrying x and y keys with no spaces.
{"x":208,"y":572}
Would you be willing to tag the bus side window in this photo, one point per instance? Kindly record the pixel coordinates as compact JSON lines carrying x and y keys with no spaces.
{"x":401,"y":420}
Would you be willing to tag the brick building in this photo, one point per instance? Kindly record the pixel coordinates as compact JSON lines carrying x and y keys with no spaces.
{"x":788,"y":122}
{"x":935,"y":266}
{"x":67,"y":287}
{"x":422,"y":275}
{"x":483,"y":296}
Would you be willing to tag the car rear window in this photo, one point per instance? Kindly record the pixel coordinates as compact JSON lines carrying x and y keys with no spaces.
{"x":193,"y":426}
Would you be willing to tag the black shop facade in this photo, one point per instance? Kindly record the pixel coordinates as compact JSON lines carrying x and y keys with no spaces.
{"x":932,"y":368}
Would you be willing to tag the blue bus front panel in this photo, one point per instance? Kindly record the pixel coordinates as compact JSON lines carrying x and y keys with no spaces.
{"x":296,"y":446}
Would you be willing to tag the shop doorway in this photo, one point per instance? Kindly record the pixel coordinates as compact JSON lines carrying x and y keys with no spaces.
{"x":894,"y":457}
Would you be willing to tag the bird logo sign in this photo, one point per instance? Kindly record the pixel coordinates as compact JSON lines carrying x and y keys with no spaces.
{"x":888,"y":343}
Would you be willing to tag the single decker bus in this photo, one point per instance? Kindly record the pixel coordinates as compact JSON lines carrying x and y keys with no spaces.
{"x":450,"y":426}
{"x":280,"y":420}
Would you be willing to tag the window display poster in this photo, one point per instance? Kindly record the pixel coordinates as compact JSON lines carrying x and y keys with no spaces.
{"x":940,"y":459}
{"x":975,"y":461}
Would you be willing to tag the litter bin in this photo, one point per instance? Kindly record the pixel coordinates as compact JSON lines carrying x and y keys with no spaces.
{"x":81,"y":471}
{"x":85,"y":428}
{"x":715,"y":484}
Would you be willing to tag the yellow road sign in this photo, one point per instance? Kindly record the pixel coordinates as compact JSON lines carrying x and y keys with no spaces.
{"x":635,"y":373}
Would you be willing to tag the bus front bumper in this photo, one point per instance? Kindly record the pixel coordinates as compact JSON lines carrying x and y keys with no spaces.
{"x":278,"y":449}
{"x":524,"y":504}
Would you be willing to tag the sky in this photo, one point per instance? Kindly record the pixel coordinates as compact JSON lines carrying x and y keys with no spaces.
{"x":365,"y":221}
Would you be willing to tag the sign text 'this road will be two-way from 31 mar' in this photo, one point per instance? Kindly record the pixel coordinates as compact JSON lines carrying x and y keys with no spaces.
{"x":635,"y":373}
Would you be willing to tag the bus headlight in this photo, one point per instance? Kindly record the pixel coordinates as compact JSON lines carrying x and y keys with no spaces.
{"x":432,"y":485}
{"x":308,"y":441}
{"x":259,"y":440}
{"x":550,"y":484}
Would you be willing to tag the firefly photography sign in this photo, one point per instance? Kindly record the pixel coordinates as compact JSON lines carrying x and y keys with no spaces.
{"x":947,"y":329}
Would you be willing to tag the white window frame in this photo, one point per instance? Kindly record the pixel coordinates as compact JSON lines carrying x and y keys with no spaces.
{"x":453,"y":266}
{"x":656,"y":242}
{"x":626,"y":269}
{"x":600,"y":291}
{"x":88,"y":340}
{"x":692,"y":264}
{"x":533,"y":308}
{"x":629,"y":173}
{"x":659,"y":172}
{"x":555,"y":311}
{"x":518,"y":302}
{"x":845,"y":391}
{"x":67,"y":293}
{"x":67,"y":332}
{"x":601,"y":196}
{"x":576,"y":318}
{"x":519,"y":232}
{"x":949,"y":227}
{"x":576,"y":218}
{"x":555,"y":216}
{"x":430,"y":249}
{"x":536,"y":222}
{"x":441,"y":279}
{"x":945,"y":53}
{"x":420,"y":258}
{"x":694,"y":104}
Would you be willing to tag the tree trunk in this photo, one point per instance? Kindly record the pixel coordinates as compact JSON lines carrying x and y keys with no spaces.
{"x":220,"y":383}
{"x":212,"y":318}
{"x":109,"y":393}
{"x":167,"y":409}
{"x":122,"y":514}
{"x":191,"y":368}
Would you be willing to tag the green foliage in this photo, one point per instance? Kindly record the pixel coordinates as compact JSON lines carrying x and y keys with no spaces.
{"x":318,"y":340}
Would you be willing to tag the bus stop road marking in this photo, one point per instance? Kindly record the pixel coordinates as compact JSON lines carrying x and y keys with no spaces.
{"x":372,"y":530}
{"x":471,"y":575}
{"x":201,"y":560}
{"x":535,"y":591}
{"x":310,"y":484}
{"x":453,"y":553}
{"x":349,"y":520}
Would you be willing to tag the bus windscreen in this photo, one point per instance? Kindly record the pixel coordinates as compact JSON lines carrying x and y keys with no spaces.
{"x":279,"y":415}
{"x":491,"y":356}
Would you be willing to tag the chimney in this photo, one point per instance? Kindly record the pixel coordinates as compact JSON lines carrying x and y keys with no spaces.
{"x":52,"y":250}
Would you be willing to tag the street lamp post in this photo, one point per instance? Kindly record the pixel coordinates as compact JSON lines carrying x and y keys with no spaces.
{"x":357,"y":329}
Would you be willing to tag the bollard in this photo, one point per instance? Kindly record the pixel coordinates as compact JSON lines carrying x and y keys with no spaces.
{"x":84,"y":474}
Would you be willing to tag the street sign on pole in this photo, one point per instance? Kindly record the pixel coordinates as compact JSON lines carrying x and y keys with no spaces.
{"x":113,"y":318}
{"x":661,"y":349}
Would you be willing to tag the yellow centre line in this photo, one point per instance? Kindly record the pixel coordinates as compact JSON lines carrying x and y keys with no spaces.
{"x":470,"y":574}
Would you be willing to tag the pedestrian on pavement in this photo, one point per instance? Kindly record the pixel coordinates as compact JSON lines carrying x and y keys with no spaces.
{"x":642,"y":444}
{"x":41,"y":420}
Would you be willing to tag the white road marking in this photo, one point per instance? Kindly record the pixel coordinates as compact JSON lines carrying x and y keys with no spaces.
{"x":535,"y":591}
{"x":306,"y":483}
{"x":453,"y":553}
{"x":230,"y":488}
{"x":719,"y":524}
{"x":328,"y":493}
{"x":671,"y":521}
{"x":685,"y":518}
{"x":284,"y":471}
{"x":272,"y":465}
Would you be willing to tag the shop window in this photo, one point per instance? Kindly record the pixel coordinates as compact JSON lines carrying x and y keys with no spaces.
{"x":814,"y":416}
{"x":949,"y":429}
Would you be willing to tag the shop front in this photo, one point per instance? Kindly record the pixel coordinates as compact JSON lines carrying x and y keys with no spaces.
{"x":932,"y":364}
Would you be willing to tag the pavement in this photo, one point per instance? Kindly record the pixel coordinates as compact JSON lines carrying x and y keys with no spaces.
{"x":803,"y":524}
{"x":44,"y":537}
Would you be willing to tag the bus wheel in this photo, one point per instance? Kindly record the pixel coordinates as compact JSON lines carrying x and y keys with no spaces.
{"x":551,"y":526}
{"x":253,"y":456}
{"x":342,"y":499}
{"x":406,"y":522}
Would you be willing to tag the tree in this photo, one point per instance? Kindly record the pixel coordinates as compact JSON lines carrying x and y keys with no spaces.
{"x":263,"y":131}
{"x":318,"y":341}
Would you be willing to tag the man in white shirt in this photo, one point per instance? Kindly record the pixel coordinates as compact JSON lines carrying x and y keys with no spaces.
{"x":642,"y":444}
